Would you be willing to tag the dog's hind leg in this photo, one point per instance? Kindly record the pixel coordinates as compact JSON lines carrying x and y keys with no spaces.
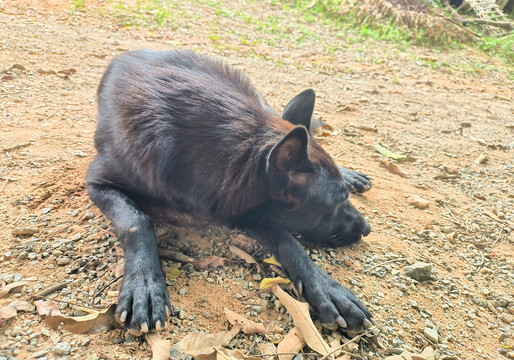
{"x":356,"y":182}
{"x":143,"y":299}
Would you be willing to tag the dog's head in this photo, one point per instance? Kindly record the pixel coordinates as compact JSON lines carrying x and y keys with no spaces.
{"x":309,"y":192}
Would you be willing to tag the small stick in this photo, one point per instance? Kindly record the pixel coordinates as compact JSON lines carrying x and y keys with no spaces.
{"x":106,"y":286}
{"x":5,"y":183}
{"x":67,"y":302}
{"x":345,"y":344}
{"x":14,"y":147}
{"x":52,"y":289}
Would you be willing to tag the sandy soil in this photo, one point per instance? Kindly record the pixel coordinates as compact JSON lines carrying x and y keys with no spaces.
{"x":444,"y":118}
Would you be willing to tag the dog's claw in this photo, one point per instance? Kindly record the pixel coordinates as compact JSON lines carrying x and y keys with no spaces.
{"x":373,"y":321}
{"x":168,"y":311}
{"x":367,"y":323}
{"x":144,"y":327}
{"x":123,"y":316}
{"x":341,"y":322}
{"x":158,"y":325}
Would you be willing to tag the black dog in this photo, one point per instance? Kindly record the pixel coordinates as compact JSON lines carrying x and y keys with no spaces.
{"x":180,"y":130}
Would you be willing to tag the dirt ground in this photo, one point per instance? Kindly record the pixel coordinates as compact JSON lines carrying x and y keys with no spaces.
{"x":454,"y":121}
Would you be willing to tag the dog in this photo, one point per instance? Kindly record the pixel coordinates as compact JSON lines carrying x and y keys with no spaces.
{"x":192,"y":134}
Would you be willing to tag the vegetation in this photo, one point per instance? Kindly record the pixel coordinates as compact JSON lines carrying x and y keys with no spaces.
{"x":411,"y":24}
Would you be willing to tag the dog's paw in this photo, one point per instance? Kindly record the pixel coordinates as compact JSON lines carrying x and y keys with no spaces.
{"x":334,"y":303}
{"x":356,"y":182}
{"x":143,"y":303}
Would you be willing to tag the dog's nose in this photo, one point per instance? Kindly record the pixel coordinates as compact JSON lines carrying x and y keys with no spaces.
{"x":366,"y":229}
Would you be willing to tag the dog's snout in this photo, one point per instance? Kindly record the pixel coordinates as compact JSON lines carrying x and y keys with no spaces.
{"x":366,"y":229}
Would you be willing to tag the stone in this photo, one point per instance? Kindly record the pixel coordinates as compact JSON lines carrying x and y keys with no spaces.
{"x":40,"y":353}
{"x":418,"y":202}
{"x":431,"y":334}
{"x":419,"y":271}
{"x":62,"y":348}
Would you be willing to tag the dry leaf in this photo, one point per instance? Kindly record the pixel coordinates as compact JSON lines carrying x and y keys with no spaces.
{"x":392,"y":167}
{"x":204,"y":344}
{"x":211,"y":262}
{"x":336,"y":343}
{"x":10,"y":311}
{"x":267,"y":283}
{"x":243,"y":255}
{"x":88,"y":324}
{"x":293,"y":342}
{"x":249,"y":327}
{"x":47,"y":307}
{"x":272,"y":261}
{"x":226,"y":354}
{"x":173,"y":274}
{"x":67,"y":71}
{"x":6,"y":290}
{"x":267,"y":349}
{"x":160,"y":347}
{"x":299,"y":311}
{"x":325,"y":131}
{"x":352,"y":346}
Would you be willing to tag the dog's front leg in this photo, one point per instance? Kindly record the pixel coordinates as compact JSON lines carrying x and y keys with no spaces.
{"x":329,"y":300}
{"x":143,"y":299}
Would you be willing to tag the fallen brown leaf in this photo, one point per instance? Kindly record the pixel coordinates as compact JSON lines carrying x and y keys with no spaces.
{"x":67,"y":71}
{"x":160,"y":347}
{"x":47,"y":307}
{"x":267,"y":349}
{"x":299,"y":311}
{"x":245,"y":256}
{"x":226,"y":354}
{"x":8,"y":289}
{"x":87,"y":324}
{"x":11,"y":310}
{"x":392,"y":167}
{"x":291,"y":343}
{"x":249,"y":327}
{"x":211,"y":262}
{"x":200,"y":343}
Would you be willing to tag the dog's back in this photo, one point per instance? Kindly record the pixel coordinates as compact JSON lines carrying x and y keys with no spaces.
{"x":190,"y":129}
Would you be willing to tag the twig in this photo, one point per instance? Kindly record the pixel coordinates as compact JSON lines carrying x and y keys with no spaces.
{"x":358,"y":337}
{"x":5,"y":183}
{"x":68,"y":302}
{"x":52,"y":289}
{"x":17,"y":146}
{"x":501,"y":24}
{"x":499,"y":235}
{"x":106,"y":286}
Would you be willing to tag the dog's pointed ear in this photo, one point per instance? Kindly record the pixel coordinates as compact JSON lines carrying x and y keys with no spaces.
{"x":288,"y":154}
{"x":299,"y":110}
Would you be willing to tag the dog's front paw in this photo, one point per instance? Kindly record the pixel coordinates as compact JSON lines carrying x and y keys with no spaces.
{"x":334,"y":303}
{"x":357,"y":182}
{"x":144,"y":300}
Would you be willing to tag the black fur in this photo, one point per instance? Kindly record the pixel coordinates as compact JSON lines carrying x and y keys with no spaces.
{"x":190,"y":133}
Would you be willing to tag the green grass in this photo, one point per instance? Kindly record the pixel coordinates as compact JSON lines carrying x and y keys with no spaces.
{"x":292,"y":26}
{"x":502,"y":47}
{"x":79,"y":4}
